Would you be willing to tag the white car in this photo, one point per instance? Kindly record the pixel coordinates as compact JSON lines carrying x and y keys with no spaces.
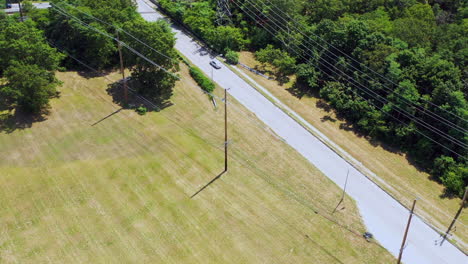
{"x":215,"y":64}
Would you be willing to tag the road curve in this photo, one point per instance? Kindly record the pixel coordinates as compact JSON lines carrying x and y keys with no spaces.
{"x":383,"y":216}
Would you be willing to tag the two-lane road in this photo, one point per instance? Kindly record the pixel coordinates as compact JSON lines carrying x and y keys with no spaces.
{"x":383,"y":216}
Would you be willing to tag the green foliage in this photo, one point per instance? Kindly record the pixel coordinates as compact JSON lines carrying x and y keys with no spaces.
{"x":29,"y":86}
{"x":225,"y":38}
{"x":141,"y":110}
{"x":199,"y":17}
{"x":232,"y":57}
{"x":417,"y":26}
{"x":153,"y":81}
{"x":411,"y":55}
{"x":28,"y":64}
{"x":206,"y":84}
{"x":277,"y":58}
{"x":98,"y":50}
{"x":27,"y":6}
{"x":82,"y":42}
{"x":23,"y":42}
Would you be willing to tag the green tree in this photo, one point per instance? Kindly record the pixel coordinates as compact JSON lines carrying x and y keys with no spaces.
{"x":29,"y":86}
{"x":23,"y":42}
{"x":153,"y":80}
{"x":27,"y":6}
{"x":417,"y":26}
{"x":225,"y":38}
{"x":281,"y":60}
{"x":232,"y":57}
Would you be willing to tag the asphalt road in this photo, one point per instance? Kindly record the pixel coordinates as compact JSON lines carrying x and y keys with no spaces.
{"x":15,"y":8}
{"x":383,"y":216}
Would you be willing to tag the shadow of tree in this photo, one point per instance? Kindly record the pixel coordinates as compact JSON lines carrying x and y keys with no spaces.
{"x":93,"y":74}
{"x":328,"y":118}
{"x":135,"y":100}
{"x":323,"y":105}
{"x":18,"y":119}
{"x":14,"y":118}
{"x":297,"y":91}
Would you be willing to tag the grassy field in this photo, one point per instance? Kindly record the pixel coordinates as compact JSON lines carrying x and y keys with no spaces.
{"x":94,"y":183}
{"x":407,"y":181}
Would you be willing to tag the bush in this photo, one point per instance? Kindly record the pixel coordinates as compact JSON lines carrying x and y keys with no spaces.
{"x":206,"y":84}
{"x":232,"y":57}
{"x":141,"y":110}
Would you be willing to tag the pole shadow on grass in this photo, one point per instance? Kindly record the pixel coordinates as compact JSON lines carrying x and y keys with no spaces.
{"x":102,"y":119}
{"x":208,"y":184}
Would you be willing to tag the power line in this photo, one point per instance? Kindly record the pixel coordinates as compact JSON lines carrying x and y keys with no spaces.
{"x":306,"y":47}
{"x":122,"y":30}
{"x":429,"y":138}
{"x":64,"y":13}
{"x":429,"y":127}
{"x":350,"y":57}
{"x":215,"y":97}
{"x":237,"y":156}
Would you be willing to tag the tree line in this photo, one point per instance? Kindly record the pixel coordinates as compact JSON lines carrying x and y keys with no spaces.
{"x":395,"y":69}
{"x":87,"y":30}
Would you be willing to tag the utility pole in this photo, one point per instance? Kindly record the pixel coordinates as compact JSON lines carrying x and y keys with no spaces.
{"x":20,"y":10}
{"x":225,"y":132}
{"x":406,"y":232}
{"x":223,"y":13}
{"x":343,"y":195}
{"x":122,"y":70}
{"x":345,"y":184}
{"x":456,"y":216}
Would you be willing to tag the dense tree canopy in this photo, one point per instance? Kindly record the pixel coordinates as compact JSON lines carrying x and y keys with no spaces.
{"x":88,"y":30}
{"x":28,"y":64}
{"x":396,"y":69}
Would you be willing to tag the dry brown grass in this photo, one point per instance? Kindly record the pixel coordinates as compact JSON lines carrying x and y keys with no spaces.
{"x":119,"y":191}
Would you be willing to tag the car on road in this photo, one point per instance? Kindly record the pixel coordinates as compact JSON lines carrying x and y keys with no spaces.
{"x":8,"y":5}
{"x":215,"y":64}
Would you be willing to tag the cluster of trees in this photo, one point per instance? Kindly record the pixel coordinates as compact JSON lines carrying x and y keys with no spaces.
{"x":28,"y":62}
{"x":95,"y":42}
{"x":27,"y":66}
{"x":200,"y":17}
{"x":395,"y":69}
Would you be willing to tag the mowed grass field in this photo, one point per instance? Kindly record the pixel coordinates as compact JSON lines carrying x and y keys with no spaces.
{"x":405,"y":180}
{"x":96,"y":184}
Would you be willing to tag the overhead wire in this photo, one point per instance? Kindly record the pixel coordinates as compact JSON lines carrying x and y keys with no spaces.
{"x":222,"y":101}
{"x":360,"y":63}
{"x":122,"y":30}
{"x":64,"y":13}
{"x":429,"y":127}
{"x":400,"y":121}
{"x":239,"y":158}
{"x":421,"y":122}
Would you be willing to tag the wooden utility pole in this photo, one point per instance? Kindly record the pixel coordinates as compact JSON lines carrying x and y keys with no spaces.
{"x":225,"y":132}
{"x":20,"y":10}
{"x":345,"y":184}
{"x":343,"y":195}
{"x":122,"y":70}
{"x":456,"y":216}
{"x":406,"y":233}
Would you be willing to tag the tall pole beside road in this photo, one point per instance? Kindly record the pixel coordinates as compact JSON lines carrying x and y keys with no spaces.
{"x":20,"y":10}
{"x":456,"y":216}
{"x":406,"y":233}
{"x":225,"y":132}
{"x":122,"y":70}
